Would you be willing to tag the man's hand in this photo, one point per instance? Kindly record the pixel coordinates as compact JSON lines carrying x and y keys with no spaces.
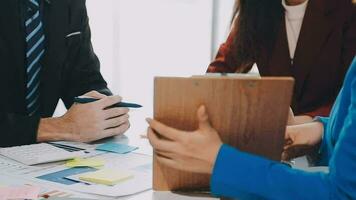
{"x":190,"y":151}
{"x":95,"y":95}
{"x":302,"y":140}
{"x":90,"y":122}
{"x":87,"y":122}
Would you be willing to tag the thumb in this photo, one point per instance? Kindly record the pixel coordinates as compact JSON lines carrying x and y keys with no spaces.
{"x":203,"y":118}
{"x":291,"y":119}
{"x":289,"y":133}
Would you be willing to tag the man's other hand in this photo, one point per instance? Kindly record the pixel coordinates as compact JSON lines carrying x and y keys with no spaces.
{"x":87,"y":122}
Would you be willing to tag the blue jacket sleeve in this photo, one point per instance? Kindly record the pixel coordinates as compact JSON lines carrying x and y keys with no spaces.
{"x":323,"y":150}
{"x":237,"y":174}
{"x":323,"y":120}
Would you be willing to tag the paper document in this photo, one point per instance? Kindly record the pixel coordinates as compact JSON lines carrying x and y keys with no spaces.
{"x":60,"y":176}
{"x":139,"y":183}
{"x":106,"y":176}
{"x":139,"y":168}
{"x":21,"y":192}
{"x":18,"y":182}
{"x":8,"y":166}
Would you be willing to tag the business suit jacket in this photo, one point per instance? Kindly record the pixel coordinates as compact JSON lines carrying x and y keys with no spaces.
{"x":325,"y":49}
{"x":69,"y":67}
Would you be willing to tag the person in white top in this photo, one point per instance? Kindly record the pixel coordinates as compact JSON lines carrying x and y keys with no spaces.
{"x":313,"y":41}
{"x":294,"y":15}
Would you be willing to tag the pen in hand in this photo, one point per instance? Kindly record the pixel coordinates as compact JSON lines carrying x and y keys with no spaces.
{"x":84,"y":99}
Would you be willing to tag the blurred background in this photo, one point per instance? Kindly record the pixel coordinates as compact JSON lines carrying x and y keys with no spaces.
{"x":137,"y":40}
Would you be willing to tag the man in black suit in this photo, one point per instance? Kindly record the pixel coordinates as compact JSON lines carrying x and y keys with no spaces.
{"x":46,"y":55}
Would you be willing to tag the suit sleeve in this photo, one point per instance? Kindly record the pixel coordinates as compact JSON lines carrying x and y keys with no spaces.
{"x":237,"y":173}
{"x":18,"y":129}
{"x":225,"y":61}
{"x":348,"y":52}
{"x":83,"y":66}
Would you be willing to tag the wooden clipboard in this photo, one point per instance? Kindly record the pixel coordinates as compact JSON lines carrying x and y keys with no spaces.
{"x":249,"y":113}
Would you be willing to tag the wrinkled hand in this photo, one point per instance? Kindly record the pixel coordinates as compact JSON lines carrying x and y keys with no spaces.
{"x":86,"y":122}
{"x":302,"y":140}
{"x":189,"y":151}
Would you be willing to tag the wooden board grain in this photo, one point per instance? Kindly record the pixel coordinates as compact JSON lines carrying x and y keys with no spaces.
{"x":249,"y":113}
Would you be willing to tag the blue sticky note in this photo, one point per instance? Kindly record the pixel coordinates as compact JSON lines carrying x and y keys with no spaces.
{"x":60,"y":176}
{"x":116,"y":148}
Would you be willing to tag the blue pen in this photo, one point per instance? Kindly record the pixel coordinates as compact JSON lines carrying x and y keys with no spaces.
{"x":84,"y":100}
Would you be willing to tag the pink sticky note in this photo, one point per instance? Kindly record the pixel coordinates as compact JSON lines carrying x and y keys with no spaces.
{"x":21,"y":192}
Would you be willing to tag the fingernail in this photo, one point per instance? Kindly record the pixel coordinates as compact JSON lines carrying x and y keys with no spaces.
{"x":203,"y":107}
{"x":148,"y":120}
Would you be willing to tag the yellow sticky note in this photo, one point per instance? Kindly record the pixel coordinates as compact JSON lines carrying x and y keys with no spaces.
{"x":89,"y":162}
{"x":106,"y":176}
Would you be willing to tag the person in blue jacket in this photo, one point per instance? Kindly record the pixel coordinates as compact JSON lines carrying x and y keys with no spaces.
{"x":242,"y":175}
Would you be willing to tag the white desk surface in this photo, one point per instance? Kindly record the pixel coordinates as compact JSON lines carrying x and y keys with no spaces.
{"x":151,"y":195}
{"x":133,"y":137}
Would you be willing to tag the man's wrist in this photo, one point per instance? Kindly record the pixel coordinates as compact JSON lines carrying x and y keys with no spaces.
{"x":53,"y":129}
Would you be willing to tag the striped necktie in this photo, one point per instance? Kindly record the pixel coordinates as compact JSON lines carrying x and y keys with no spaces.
{"x":35,"y":39}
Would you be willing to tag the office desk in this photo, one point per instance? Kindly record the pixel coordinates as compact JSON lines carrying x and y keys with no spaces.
{"x":151,"y":195}
{"x":133,"y":137}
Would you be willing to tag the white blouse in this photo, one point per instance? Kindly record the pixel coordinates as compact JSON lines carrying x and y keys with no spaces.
{"x":294,"y":16}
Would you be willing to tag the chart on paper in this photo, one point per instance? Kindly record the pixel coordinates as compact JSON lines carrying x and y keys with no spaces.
{"x":135,"y":170}
{"x":21,"y":189}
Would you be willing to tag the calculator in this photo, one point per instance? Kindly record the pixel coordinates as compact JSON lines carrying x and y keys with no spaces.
{"x":39,"y":153}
